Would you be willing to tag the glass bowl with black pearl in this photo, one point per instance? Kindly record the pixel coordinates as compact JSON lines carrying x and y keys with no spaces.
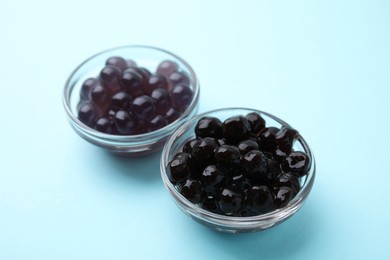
{"x":267,"y":185}
{"x":128,"y":100}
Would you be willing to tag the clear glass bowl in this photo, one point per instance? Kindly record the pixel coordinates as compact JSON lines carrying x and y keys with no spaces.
{"x":147,"y":57}
{"x":231,"y":224}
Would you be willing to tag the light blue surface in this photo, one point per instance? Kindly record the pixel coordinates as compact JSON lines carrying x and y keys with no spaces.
{"x":322,"y":66}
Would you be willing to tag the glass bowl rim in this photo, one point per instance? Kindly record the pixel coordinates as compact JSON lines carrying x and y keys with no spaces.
{"x":160,"y":133}
{"x":199,"y":212}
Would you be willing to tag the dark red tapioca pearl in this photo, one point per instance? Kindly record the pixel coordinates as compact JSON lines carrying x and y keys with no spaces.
{"x":212,"y":179}
{"x":143,"y":107}
{"x":156,"y":123}
{"x":111,"y":114}
{"x":177,"y":78}
{"x":141,"y":127}
{"x":131,"y":63}
{"x":231,"y":200}
{"x":131,"y":82}
{"x":254,"y":165}
{"x":297,"y":163}
{"x":104,"y":125}
{"x":282,"y":196}
{"x":260,"y":199}
{"x":110,"y":76}
{"x":179,"y":168}
{"x":87,"y":113}
{"x":256,"y":122}
{"x":236,"y":129}
{"x":204,"y":151}
{"x":208,"y":127}
{"x":266,"y":139}
{"x":120,"y":100}
{"x":181,"y":97}
{"x":146,"y":126}
{"x":247,"y":146}
{"x":172,"y":114}
{"x":143,"y":72}
{"x":117,"y":62}
{"x":166,"y":68}
{"x":162,"y":100}
{"x":192,"y":190}
{"x":125,"y":122}
{"x":228,"y":157}
{"x":155,"y":82}
{"x":88,"y":84}
{"x":100,"y":95}
{"x":285,"y":138}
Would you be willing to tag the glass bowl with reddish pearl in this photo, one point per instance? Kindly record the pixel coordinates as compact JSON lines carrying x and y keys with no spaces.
{"x":129,"y":99}
{"x":237,"y":169}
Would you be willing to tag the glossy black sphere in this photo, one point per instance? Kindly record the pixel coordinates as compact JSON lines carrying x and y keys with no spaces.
{"x":230,"y":200}
{"x":247,"y":146}
{"x":282,"y":196}
{"x":192,"y":191}
{"x":179,"y":169}
{"x":212,"y":179}
{"x":228,"y":158}
{"x":203,"y":150}
{"x":254,"y":164}
{"x":256,"y":122}
{"x":260,"y":199}
{"x":208,"y":127}
{"x":285,"y":138}
{"x":296,"y":163}
{"x":187,"y":147}
{"x":266,"y":139}
{"x":236,"y":129}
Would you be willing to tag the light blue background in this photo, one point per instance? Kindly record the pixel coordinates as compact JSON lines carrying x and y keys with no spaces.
{"x":323,"y":66}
